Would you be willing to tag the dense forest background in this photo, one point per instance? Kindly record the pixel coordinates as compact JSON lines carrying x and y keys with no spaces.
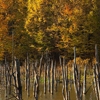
{"x":56,"y":26}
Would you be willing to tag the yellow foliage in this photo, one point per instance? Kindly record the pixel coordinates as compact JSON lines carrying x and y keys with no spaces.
{"x":67,"y":9}
{"x":94,"y":61}
{"x":79,"y":61}
{"x":5,"y":4}
{"x":77,"y":10}
{"x":33,"y":5}
{"x":73,"y":27}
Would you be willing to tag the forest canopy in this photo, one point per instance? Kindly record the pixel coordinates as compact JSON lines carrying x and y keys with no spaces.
{"x":56,"y":26}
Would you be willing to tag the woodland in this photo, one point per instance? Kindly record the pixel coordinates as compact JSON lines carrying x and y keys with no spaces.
{"x":35,"y":34}
{"x":54,"y":26}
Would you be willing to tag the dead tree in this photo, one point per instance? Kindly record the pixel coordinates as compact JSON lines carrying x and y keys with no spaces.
{"x":36,"y":83}
{"x":17,"y":80}
{"x":45,"y":78}
{"x":96,"y":75}
{"x":52,"y":76}
{"x":95,"y":83}
{"x":27,"y":76}
{"x":40,"y":66}
{"x":62,"y":64}
{"x":66,"y":82}
{"x":65,"y":79}
{"x":6,"y":78}
{"x":55,"y":76}
{"x":76,"y":78}
{"x":48,"y":74}
{"x":84,"y":81}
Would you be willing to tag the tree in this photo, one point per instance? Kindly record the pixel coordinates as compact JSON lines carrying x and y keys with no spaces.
{"x":15,"y":14}
{"x":55,"y":26}
{"x":85,"y":24}
{"x":3,"y":26}
{"x":48,"y":26}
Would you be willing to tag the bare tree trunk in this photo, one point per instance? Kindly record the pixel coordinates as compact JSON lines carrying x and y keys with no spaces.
{"x":28,"y":79}
{"x":65,"y":90}
{"x":76,"y":79}
{"x":66,"y":82}
{"x":52,"y":76}
{"x":36,"y":83}
{"x":84,"y":81}
{"x":33,"y":72}
{"x":40,"y":66}
{"x":9,"y":79}
{"x":75,"y":82}
{"x":5,"y":78}
{"x":18,"y":80}
{"x":68,"y":95}
{"x":96,"y":54}
{"x":95,"y":83}
{"x":48,"y":75}
{"x":97,"y":69}
{"x":55,"y":80}
{"x":25,"y":75}
{"x":44,"y":78}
